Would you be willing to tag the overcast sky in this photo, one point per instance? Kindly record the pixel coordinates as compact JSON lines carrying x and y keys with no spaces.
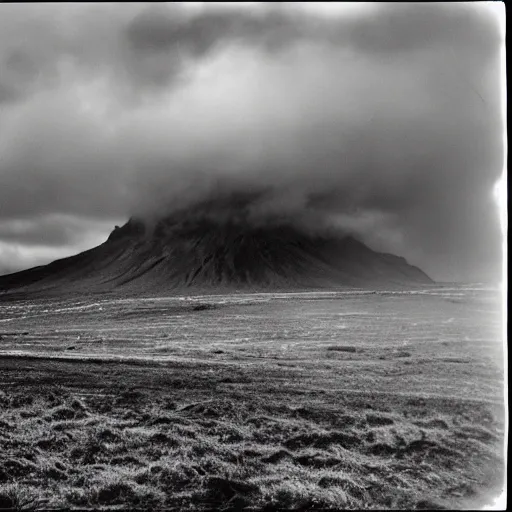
{"x":387,"y":117}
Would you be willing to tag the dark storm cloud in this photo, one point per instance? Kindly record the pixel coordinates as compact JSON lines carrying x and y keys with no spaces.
{"x":153,"y":44}
{"x":384,"y":119}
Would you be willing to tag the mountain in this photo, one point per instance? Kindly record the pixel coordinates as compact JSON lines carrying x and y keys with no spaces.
{"x":214,"y":248}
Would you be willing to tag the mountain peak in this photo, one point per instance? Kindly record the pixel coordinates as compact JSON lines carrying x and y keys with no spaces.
{"x":207,"y":248}
{"x":133,"y":228}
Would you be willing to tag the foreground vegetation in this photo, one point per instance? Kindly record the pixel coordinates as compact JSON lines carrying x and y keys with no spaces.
{"x":83,"y":447}
{"x":352,"y":403}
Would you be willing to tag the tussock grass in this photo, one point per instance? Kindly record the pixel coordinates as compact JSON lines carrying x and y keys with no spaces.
{"x":282,"y":405}
{"x":21,"y":498}
{"x":161,"y":452}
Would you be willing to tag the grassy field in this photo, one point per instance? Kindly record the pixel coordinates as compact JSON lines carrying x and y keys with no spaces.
{"x":257,"y":402}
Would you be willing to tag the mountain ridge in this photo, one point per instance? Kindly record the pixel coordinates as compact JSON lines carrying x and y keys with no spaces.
{"x":204,"y":252}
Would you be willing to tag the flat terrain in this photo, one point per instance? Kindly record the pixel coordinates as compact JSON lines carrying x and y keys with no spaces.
{"x":253,"y":401}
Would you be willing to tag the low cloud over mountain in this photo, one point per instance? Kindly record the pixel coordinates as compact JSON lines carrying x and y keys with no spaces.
{"x":382,"y":119}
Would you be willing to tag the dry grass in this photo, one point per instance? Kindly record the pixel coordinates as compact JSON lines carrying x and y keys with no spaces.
{"x":146,"y":449}
{"x":286,"y":404}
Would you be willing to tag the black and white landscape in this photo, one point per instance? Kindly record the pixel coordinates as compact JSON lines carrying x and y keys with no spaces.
{"x":250,"y":256}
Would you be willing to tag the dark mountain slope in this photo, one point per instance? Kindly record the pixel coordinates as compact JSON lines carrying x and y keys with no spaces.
{"x":213,"y":250}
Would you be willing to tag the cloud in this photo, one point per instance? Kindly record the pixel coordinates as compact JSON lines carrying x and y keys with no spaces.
{"x":51,"y":230}
{"x":384,"y":118}
{"x":25,"y":243}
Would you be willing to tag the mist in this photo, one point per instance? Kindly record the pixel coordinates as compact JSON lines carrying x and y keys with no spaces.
{"x":383,"y":119}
